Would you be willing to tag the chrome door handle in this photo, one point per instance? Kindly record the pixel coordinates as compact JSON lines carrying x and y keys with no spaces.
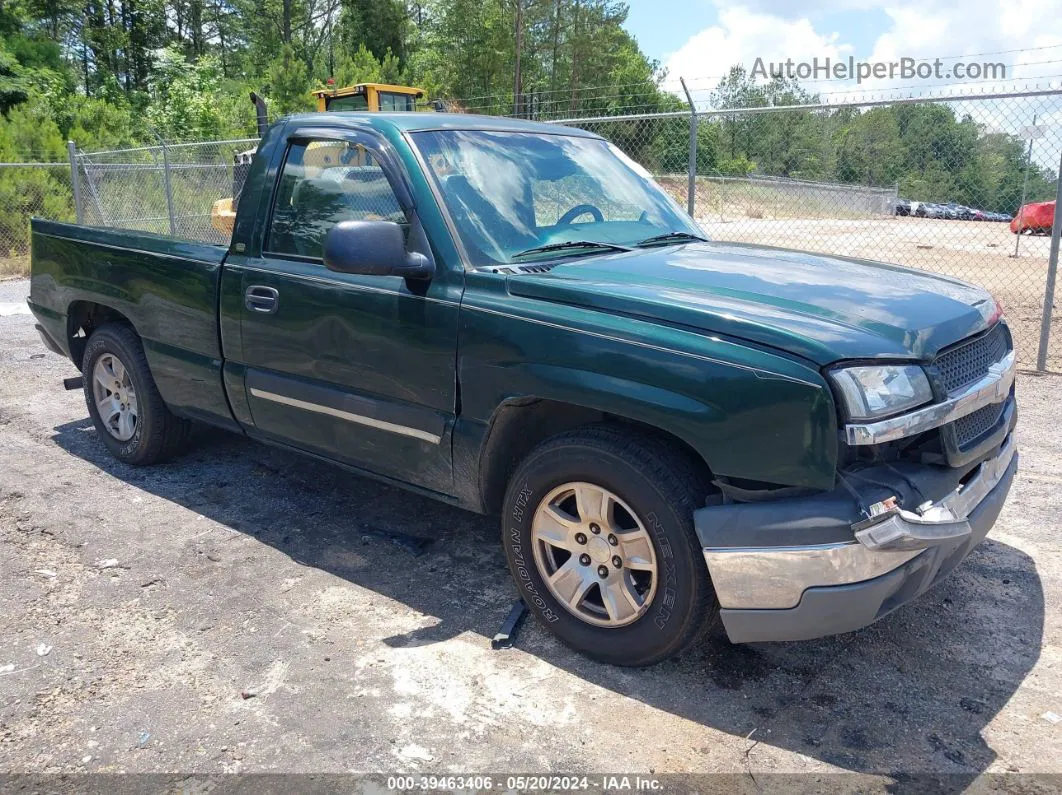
{"x":261,"y":299}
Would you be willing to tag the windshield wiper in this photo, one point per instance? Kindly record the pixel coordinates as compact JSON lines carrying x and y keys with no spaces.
{"x":669,"y":237}
{"x":571,"y":244}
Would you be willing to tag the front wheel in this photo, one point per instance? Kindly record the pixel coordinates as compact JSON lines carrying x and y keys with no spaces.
{"x":598,"y":533}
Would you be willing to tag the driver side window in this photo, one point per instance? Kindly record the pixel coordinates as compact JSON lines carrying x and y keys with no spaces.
{"x":321,"y":184}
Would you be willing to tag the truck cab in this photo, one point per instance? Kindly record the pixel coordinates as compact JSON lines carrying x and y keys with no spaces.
{"x":368,"y":97}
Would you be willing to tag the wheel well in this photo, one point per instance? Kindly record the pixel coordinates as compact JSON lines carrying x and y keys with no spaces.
{"x":518,"y":426}
{"x":84,"y":317}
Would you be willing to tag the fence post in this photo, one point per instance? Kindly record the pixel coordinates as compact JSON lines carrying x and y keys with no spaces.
{"x":691,"y":188}
{"x":1024,"y":188}
{"x":75,"y":186}
{"x":1052,"y":271}
{"x":168,"y":187}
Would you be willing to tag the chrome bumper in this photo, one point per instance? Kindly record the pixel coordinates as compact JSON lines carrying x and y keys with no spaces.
{"x":994,"y":387}
{"x":776,"y":577}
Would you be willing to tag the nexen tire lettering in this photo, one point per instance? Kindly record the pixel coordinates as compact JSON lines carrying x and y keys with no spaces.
{"x":667,"y":598}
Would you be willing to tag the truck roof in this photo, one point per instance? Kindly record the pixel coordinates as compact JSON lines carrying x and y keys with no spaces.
{"x":412,"y":122}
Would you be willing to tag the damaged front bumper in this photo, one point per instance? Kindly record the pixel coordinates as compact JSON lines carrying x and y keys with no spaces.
{"x":805,"y":567}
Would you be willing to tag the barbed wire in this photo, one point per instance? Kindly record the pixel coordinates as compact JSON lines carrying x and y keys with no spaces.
{"x":568,"y":97}
{"x":666,"y":83}
{"x":920,"y":60}
{"x":641,"y":85}
{"x":613,"y":104}
{"x":958,"y":85}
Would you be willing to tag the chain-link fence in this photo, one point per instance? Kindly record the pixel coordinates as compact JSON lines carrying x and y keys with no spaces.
{"x":928,"y":183}
{"x":26,"y":190}
{"x":781,"y":197}
{"x":932,"y":184}
{"x":168,"y":189}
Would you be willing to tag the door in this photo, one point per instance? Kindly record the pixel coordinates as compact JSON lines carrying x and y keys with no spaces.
{"x":360,"y":369}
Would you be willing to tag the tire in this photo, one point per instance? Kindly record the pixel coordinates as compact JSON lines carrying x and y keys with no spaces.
{"x":656,"y":489}
{"x":156,"y":433}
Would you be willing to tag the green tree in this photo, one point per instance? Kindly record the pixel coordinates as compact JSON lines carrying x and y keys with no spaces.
{"x":29,"y":133}
{"x":185,"y":97}
{"x":378,"y":25}
{"x":870,"y":149}
{"x":96,"y":124}
{"x":363,"y":67}
{"x":288,"y":83}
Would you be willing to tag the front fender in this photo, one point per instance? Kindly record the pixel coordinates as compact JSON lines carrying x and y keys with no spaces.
{"x":749,"y":413}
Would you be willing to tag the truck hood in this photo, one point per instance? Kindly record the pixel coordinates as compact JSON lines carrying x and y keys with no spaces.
{"x":821,"y":308}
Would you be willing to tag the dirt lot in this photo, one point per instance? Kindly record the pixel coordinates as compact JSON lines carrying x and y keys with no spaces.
{"x":977,"y":252}
{"x":140,"y":603}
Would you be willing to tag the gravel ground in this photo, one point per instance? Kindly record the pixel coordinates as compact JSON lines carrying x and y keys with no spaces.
{"x":139,"y":604}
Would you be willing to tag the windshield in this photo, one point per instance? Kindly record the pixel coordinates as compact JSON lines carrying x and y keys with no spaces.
{"x":511,"y":192}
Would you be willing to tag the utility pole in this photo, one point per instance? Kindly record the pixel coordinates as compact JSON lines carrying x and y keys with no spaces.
{"x":519,"y":46}
{"x":331,"y":48}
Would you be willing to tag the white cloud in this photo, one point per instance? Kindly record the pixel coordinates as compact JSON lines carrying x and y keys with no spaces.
{"x":776,"y":30}
{"x":994,"y":27}
{"x":740,"y":37}
{"x":797,"y":10}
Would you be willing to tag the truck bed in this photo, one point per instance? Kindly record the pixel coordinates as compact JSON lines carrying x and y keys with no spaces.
{"x":165,"y":287}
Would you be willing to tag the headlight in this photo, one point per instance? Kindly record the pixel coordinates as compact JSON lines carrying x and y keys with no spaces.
{"x":881,"y":389}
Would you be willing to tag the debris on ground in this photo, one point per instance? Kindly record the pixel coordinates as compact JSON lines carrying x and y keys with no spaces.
{"x":506,"y":636}
{"x":416,"y":753}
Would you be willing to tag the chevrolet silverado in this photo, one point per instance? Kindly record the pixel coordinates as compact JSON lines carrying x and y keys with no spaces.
{"x":513,"y":318}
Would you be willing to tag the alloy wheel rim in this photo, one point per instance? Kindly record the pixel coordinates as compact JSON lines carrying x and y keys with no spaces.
{"x":594,"y":554}
{"x":115,"y":397}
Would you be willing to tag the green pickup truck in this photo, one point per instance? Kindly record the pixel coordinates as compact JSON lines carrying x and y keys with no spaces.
{"x":513,"y":318}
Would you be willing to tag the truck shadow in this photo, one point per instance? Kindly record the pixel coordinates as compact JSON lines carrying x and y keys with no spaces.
{"x":912,"y":693}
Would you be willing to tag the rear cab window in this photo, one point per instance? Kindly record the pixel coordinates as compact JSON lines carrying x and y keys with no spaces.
{"x":390,"y":100}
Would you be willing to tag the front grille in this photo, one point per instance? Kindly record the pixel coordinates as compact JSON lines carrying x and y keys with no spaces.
{"x":956,"y":369}
{"x":969,"y":361}
{"x":973,"y":426}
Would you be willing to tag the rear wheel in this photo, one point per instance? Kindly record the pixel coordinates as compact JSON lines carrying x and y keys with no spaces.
{"x":598,"y":532}
{"x":125,"y":405}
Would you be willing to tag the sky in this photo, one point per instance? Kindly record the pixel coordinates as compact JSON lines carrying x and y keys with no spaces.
{"x":700,"y":39}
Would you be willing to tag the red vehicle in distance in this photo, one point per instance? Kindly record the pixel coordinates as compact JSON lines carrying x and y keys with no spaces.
{"x":1034,"y":219}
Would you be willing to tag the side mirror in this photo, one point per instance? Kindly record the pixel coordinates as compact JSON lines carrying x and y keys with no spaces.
{"x":374,"y":248}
